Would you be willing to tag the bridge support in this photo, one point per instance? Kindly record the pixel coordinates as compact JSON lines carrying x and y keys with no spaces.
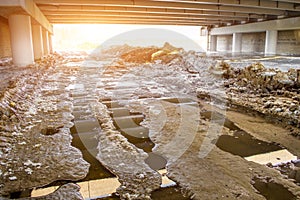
{"x":237,"y":43}
{"x":21,"y":39}
{"x":37,"y":41}
{"x":213,"y":43}
{"x":271,"y":42}
{"x":50,"y":42}
{"x":45,"y":42}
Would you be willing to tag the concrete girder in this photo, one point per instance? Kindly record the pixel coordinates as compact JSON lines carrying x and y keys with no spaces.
{"x":25,"y":7}
{"x":167,"y":4}
{"x":141,"y":22}
{"x":245,"y":3}
{"x":158,"y":21}
{"x":145,"y":18}
{"x":265,"y":4}
{"x":287,"y":1}
{"x":140,"y":10}
{"x":279,"y":24}
{"x":148,"y":14}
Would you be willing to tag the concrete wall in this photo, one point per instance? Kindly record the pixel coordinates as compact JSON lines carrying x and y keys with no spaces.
{"x":288,"y":42}
{"x":253,"y":42}
{"x":224,"y":43}
{"x":5,"y":48}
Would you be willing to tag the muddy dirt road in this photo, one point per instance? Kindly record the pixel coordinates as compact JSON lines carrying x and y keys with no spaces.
{"x":149,"y":123}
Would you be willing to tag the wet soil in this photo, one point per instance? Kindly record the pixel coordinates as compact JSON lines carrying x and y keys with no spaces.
{"x":128,"y":119}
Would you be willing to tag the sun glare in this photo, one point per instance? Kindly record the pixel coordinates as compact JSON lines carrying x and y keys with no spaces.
{"x":90,"y":36}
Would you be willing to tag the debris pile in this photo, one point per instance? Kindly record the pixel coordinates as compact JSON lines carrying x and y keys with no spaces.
{"x":269,"y":91}
{"x":290,"y":169}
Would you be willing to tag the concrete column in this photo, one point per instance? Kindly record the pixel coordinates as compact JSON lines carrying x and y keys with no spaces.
{"x":37,"y":37}
{"x":271,"y":42}
{"x":21,"y":39}
{"x":228,"y":43}
{"x":45,"y":42}
{"x":213,"y":43}
{"x":237,"y":43}
{"x":50,"y":43}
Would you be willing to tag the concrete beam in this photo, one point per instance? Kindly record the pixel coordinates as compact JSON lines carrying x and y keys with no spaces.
{"x":164,"y":15}
{"x":289,"y":1}
{"x":166,"y":4}
{"x":141,"y":18}
{"x":280,"y":24}
{"x":271,"y":42}
{"x":138,"y":22}
{"x":246,"y":3}
{"x":144,"y":10}
{"x":30,"y":8}
{"x":21,"y":39}
{"x":37,"y":37}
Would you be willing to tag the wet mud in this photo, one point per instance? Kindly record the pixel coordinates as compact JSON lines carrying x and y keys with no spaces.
{"x":127,"y":112}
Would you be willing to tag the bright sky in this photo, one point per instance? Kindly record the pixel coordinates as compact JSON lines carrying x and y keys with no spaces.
{"x":90,"y":36}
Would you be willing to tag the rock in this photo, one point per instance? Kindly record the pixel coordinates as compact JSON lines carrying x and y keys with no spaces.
{"x":12,"y":178}
{"x":293,"y":107}
{"x":283,"y":78}
{"x":222,"y":69}
{"x":66,"y":192}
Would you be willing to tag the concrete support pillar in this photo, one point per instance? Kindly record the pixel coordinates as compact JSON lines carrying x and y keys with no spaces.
{"x":37,"y":37}
{"x":271,"y":42}
{"x":213,"y":43}
{"x":21,"y":39}
{"x":45,"y":42}
{"x":237,"y":43}
{"x":228,"y":44}
{"x":50,"y":43}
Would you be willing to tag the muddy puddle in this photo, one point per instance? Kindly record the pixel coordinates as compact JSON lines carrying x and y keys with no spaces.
{"x":170,"y":193}
{"x":271,"y":190}
{"x":241,"y":143}
{"x":128,"y":123}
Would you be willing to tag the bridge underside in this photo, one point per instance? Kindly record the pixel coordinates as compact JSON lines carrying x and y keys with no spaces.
{"x":217,"y":17}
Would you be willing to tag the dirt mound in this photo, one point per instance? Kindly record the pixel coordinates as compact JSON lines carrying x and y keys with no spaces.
{"x":140,"y":55}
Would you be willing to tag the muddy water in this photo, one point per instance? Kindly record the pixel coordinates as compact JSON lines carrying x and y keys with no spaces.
{"x":97,"y":170}
{"x":84,"y":134}
{"x":128,"y":123}
{"x":241,"y":143}
{"x":272,"y":191}
{"x":169,"y":193}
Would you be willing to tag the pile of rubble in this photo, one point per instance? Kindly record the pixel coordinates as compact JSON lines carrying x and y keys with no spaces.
{"x":290,"y":169}
{"x":268,"y":91}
